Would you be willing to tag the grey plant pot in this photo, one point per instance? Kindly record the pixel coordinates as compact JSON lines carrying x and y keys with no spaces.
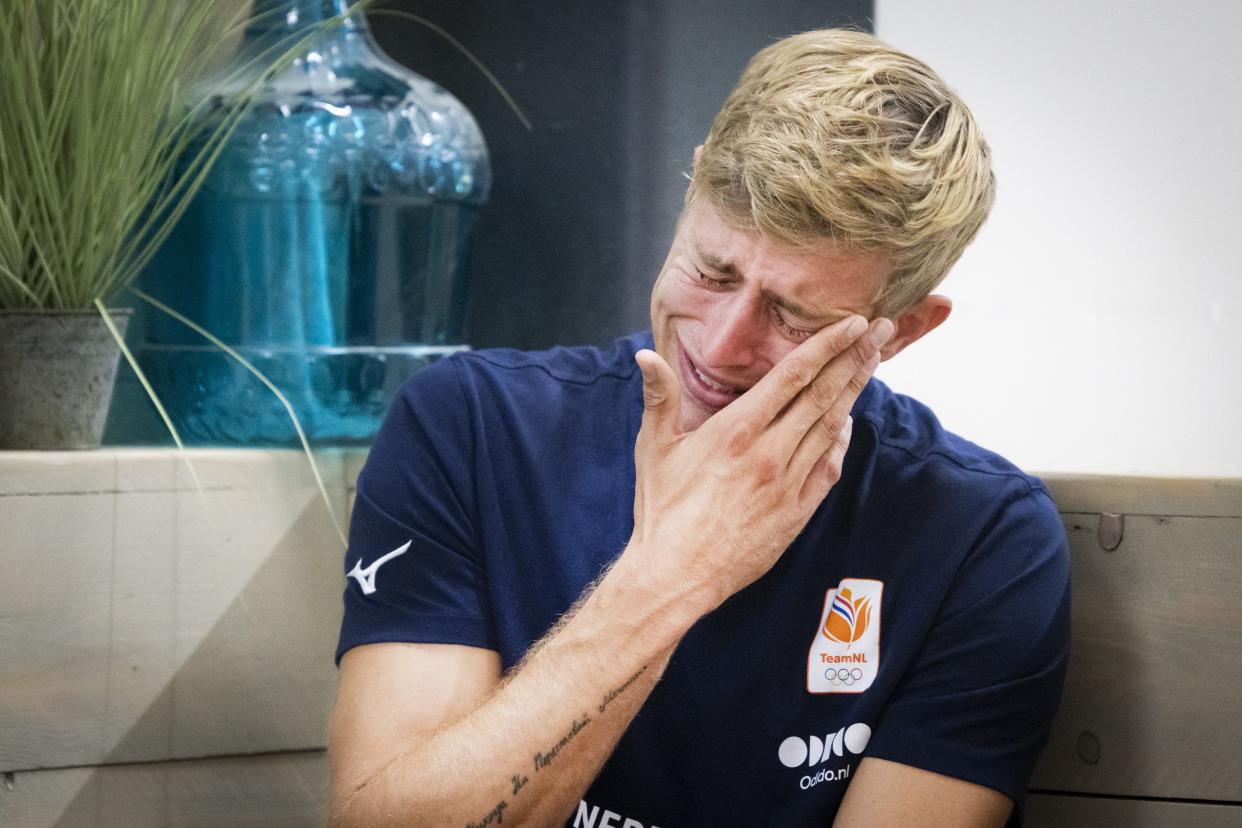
{"x":56,"y":374}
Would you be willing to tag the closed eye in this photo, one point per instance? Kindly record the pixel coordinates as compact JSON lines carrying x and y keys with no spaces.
{"x":796,"y":334}
{"x":709,"y":280}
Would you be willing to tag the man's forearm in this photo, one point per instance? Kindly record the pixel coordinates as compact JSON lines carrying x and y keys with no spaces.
{"x":527,"y":754}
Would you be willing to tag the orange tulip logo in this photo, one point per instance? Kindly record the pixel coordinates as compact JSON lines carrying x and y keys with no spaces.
{"x":848,"y":618}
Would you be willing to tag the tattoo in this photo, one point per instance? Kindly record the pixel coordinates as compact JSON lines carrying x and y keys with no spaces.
{"x":496,"y":814}
{"x":612,"y":694}
{"x":542,"y":760}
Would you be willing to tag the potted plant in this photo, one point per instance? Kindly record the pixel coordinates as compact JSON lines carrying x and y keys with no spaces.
{"x":101,"y":149}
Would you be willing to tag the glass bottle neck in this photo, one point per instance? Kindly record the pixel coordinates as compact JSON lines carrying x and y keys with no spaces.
{"x":292,"y":15}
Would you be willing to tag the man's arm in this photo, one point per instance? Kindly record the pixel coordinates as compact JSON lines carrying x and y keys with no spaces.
{"x":400,"y":691}
{"x":889,"y":793}
{"x":714,"y":509}
{"x":470,"y":749}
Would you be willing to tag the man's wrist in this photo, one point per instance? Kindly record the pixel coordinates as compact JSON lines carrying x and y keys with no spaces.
{"x":655,"y":612}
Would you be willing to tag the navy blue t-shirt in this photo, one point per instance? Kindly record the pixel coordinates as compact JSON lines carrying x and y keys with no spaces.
{"x":922,"y":616}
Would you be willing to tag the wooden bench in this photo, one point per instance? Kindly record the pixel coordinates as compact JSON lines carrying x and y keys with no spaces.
{"x":1150,"y":730}
{"x":165,"y":656}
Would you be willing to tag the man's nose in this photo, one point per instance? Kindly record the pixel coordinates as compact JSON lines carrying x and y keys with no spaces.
{"x":735,"y":333}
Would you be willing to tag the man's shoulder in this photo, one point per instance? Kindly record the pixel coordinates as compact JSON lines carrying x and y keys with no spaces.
{"x":915,"y":448}
{"x":580,"y":364}
{"x":516,"y":400}
{"x":509,"y":371}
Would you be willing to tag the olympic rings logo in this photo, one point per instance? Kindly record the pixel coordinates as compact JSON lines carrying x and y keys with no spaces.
{"x":840,"y":676}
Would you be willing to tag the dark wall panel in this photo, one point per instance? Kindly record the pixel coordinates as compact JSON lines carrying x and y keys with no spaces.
{"x":582,"y":207}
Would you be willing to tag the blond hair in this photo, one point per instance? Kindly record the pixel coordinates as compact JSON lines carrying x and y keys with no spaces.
{"x":833,"y":135}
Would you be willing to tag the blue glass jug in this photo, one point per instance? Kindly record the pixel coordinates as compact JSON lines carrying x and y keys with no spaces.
{"x":326,"y":244}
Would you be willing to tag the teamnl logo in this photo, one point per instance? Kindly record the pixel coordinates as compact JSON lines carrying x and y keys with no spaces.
{"x":846,"y":743}
{"x":845,"y":652}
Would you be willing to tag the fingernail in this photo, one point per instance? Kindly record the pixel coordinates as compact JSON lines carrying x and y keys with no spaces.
{"x":855,"y":327}
{"x":848,"y":428}
{"x":882,"y":332}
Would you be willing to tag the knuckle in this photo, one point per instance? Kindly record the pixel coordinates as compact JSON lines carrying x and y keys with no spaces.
{"x":858,"y":382}
{"x":739,"y":441}
{"x":797,"y":373}
{"x":824,"y":391}
{"x":834,"y":423}
{"x":859,"y":357}
{"x":765,"y":470}
{"x":832,"y":471}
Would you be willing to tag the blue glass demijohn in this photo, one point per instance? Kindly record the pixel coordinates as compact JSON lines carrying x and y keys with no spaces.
{"x":326,"y":245}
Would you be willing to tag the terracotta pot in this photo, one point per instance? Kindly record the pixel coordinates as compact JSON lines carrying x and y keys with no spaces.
{"x":56,"y":374}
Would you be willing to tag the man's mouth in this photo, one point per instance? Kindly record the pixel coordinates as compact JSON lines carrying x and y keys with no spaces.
{"x":706,"y":389}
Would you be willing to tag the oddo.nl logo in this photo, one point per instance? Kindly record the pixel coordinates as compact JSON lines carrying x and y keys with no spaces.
{"x":794,"y":751}
{"x":847,"y":742}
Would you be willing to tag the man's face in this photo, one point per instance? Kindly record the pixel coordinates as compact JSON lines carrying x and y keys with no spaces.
{"x":728,"y":304}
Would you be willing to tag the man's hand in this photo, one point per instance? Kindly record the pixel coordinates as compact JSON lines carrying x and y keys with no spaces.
{"x":714,"y":508}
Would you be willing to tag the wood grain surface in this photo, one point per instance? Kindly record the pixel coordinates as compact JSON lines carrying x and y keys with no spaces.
{"x":1062,"y":811}
{"x":1151,"y":702}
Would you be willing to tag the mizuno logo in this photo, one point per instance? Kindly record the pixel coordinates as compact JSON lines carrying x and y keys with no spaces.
{"x":366,"y":577}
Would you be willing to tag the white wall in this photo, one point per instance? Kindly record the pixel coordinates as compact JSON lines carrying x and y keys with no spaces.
{"x":1098,"y":319}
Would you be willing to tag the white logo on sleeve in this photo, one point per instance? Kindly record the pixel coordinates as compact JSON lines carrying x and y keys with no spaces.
{"x":366,"y":577}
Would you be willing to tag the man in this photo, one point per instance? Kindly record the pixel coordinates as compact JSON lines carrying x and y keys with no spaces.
{"x":718,"y":575}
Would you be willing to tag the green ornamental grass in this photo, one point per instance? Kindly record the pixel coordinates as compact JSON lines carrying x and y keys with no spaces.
{"x":96,"y":109}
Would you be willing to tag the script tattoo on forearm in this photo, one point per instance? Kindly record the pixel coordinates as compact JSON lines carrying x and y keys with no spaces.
{"x":542,"y":760}
{"x":612,"y":694}
{"x":496,"y":814}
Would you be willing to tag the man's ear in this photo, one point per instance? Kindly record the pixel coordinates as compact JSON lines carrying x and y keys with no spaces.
{"x":698,"y":151}
{"x":916,"y":323}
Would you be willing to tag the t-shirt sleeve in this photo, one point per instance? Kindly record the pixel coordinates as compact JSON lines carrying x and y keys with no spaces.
{"x":978,"y":702}
{"x":414,"y":569}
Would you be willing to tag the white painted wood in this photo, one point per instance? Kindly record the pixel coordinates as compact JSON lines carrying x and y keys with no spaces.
{"x":27,"y":473}
{"x":259,"y":607}
{"x":146,"y":469}
{"x":56,"y":472}
{"x":1156,"y":663}
{"x":1058,"y":811}
{"x":143,"y":658}
{"x":141,"y":624}
{"x":260,"y":791}
{"x":250,"y":469}
{"x":55,"y":623}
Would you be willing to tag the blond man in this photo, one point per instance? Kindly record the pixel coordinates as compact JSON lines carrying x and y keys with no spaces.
{"x":718,"y":574}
